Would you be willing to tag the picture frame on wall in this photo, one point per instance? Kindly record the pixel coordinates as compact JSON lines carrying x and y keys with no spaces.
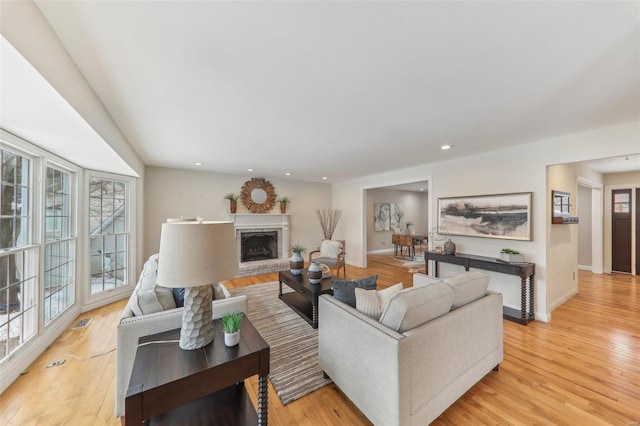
{"x":503,"y":216}
{"x":381,"y":216}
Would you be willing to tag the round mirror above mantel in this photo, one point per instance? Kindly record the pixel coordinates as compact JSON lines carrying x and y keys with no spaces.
{"x":258,"y":195}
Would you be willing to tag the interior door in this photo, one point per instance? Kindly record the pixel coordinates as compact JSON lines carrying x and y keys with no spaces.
{"x":637,"y":270}
{"x":621,"y":211}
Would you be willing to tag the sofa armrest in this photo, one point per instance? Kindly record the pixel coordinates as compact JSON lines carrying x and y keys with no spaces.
{"x":131,"y":329}
{"x":361,"y":357}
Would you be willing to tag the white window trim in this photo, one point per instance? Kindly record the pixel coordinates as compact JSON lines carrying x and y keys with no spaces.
{"x":93,"y":301}
{"x":75,"y":174}
{"x":20,"y":360}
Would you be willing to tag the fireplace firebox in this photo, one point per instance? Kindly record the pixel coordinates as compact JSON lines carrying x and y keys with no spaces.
{"x":258,"y":246}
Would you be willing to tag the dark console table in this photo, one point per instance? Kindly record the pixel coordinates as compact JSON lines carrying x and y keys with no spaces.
{"x":526,"y":271}
{"x":170,"y":386}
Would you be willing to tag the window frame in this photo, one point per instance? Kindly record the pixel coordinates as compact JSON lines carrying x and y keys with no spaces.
{"x":74,"y":176}
{"x":130,"y":208}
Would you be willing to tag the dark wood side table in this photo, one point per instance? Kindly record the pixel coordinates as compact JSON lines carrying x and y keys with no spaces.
{"x":304,"y":301}
{"x":168,"y":382}
{"x":526,"y":271}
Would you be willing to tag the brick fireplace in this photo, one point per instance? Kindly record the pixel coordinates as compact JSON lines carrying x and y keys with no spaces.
{"x":262,"y":242}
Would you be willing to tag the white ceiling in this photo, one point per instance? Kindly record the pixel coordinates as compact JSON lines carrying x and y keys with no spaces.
{"x":32,"y":109}
{"x":345,"y":89}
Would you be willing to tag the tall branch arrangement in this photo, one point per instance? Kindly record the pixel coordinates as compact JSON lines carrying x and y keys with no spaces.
{"x":328,"y":220}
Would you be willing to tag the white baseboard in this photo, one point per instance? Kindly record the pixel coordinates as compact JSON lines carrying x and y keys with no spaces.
{"x":584,"y":267}
{"x":383,"y":251}
{"x":539,"y":316}
{"x":568,"y":295}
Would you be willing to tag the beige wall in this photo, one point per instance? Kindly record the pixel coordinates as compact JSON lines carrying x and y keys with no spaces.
{"x":520,"y":168}
{"x":175,"y":193}
{"x":413,"y":205}
{"x":562,"y":245}
{"x":632,"y":178}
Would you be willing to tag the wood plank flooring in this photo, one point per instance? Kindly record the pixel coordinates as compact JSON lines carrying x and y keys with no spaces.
{"x":583,"y":368}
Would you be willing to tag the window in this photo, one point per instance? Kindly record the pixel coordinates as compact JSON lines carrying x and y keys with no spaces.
{"x":621,"y":202}
{"x":18,"y":266}
{"x":59,"y":249}
{"x":109,"y":233}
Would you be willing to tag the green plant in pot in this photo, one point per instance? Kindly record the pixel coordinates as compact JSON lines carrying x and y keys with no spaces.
{"x":296,"y":263}
{"x":283,"y":203}
{"x":231,"y":326}
{"x":233,"y":201}
{"x":510,"y":255}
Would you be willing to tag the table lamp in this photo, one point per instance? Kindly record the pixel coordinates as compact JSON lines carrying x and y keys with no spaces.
{"x":194,"y":255}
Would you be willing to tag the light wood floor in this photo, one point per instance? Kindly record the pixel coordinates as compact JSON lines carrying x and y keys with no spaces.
{"x":583,"y":368}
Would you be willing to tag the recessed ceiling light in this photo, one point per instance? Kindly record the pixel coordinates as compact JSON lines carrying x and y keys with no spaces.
{"x":249,"y":170}
{"x":198,"y":163}
{"x":324,"y":178}
{"x":421,"y":189}
{"x":287,"y":174}
{"x":443,"y":147}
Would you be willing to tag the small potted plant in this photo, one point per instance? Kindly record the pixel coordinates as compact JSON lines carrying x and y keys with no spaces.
{"x":283,"y":204}
{"x":296,"y":263}
{"x":233,"y":201}
{"x":231,"y":326}
{"x":511,"y":256}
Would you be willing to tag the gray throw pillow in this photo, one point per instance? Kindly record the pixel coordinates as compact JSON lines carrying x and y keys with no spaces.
{"x":345,"y":291}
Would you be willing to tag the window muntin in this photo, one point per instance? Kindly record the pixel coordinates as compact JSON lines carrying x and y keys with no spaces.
{"x":59,"y":250}
{"x":18,"y":266}
{"x":109,"y":234}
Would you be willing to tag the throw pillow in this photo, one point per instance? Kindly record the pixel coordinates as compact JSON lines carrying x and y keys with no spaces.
{"x":220,"y":292}
{"x":345,"y":291}
{"x":372,"y":302}
{"x":467,"y":287}
{"x":415,"y":306}
{"x":178,"y":297}
{"x":147,"y":297}
{"x":330,"y":248}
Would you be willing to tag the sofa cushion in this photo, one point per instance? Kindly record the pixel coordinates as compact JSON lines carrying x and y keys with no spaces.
{"x":345,"y":291}
{"x":219,"y":292}
{"x":372,"y":302}
{"x":467,"y":287}
{"x":147,"y":297}
{"x":415,"y":306}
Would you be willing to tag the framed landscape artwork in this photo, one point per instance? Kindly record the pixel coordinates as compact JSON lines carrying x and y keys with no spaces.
{"x":506,"y":216}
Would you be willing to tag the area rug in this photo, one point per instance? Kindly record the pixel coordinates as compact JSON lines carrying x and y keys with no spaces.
{"x":414,"y":266}
{"x":295,"y":370}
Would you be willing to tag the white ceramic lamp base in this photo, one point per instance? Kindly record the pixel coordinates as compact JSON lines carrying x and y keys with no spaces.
{"x":197,"y":324}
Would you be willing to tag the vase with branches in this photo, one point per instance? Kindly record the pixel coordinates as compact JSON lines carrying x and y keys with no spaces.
{"x":328,"y":221}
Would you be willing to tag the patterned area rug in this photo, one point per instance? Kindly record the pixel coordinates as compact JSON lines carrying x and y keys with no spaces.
{"x":295,"y":370}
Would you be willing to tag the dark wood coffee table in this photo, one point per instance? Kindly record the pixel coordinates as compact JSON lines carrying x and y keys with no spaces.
{"x":202,"y":386}
{"x":304,"y":300}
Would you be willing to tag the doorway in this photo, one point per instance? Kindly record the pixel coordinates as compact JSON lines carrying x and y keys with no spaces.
{"x":621,"y":232}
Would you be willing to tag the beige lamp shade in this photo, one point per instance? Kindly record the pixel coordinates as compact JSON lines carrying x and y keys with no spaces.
{"x":194,"y":254}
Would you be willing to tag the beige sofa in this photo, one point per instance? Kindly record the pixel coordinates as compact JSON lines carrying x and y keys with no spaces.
{"x":151,"y":309}
{"x":408,"y":372}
